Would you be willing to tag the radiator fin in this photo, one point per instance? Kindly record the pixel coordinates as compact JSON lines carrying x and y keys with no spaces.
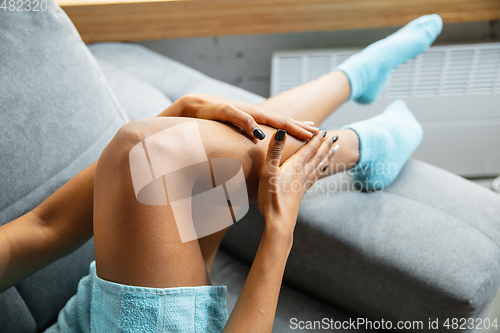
{"x":484,"y":73}
{"x":290,"y":71}
{"x":456,"y":73}
{"x":453,"y":90}
{"x":441,"y":71}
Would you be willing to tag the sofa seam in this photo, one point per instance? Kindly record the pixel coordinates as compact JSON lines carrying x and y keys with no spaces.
{"x":26,"y":306}
{"x":448,"y":214}
{"x":124,"y":69}
{"x":109,"y":91}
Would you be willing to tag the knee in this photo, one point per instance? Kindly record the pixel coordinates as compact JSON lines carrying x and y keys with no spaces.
{"x":130,"y":135}
{"x":127,"y":137}
{"x":156,"y":145}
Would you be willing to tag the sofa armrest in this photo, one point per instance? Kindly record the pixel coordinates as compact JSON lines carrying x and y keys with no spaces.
{"x":425,"y":247}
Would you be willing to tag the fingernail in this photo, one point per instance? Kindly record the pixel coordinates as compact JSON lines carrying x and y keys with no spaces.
{"x":324,"y":133}
{"x":326,"y":167}
{"x":259,"y":134}
{"x":335,"y":138}
{"x":336,"y":148}
{"x":309,"y":123}
{"x":280,"y":135}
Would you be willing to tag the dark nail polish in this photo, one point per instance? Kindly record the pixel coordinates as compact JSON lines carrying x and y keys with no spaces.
{"x":259,"y":134}
{"x":280,"y":135}
{"x":326,"y":167}
{"x":335,"y":138}
{"x":324,"y":133}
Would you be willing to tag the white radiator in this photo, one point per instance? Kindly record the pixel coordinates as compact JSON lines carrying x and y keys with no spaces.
{"x":454,"y":91}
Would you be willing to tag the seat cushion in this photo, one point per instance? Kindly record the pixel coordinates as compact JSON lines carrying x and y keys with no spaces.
{"x":138,"y":98}
{"x":169,"y":76}
{"x":426,"y":246}
{"x":57,"y":114}
{"x":14,"y":314}
{"x":295,"y":311}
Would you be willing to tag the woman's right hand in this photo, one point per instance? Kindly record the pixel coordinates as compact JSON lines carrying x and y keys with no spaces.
{"x":280,"y":192}
{"x":281,"y":188}
{"x":246,"y":116}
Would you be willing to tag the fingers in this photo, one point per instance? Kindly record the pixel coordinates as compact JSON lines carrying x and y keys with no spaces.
{"x":275,"y":150}
{"x":307,"y":125}
{"x":314,"y":158}
{"x":319,"y":163}
{"x":321,"y":154}
{"x":290,"y":126}
{"x":307,"y":151}
{"x":321,"y":167}
{"x":244,"y":115}
{"x":293,"y":127}
{"x":243,"y":119}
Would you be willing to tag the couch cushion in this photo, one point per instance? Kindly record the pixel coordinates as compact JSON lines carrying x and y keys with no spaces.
{"x":60,"y":277}
{"x":14,"y":314}
{"x":425,"y":247}
{"x":57,"y":114}
{"x":294,"y":310}
{"x":138,"y":98}
{"x":169,"y":76}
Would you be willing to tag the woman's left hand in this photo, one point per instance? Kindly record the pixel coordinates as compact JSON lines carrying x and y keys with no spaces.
{"x":244,"y":115}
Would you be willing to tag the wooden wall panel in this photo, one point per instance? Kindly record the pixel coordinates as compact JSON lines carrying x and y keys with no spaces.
{"x":112,"y":20}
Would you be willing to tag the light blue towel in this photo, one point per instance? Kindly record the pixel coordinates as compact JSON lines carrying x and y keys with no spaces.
{"x":103,"y":306}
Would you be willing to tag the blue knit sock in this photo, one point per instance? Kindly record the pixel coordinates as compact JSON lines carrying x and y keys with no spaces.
{"x":369,"y":70}
{"x":386,"y":142}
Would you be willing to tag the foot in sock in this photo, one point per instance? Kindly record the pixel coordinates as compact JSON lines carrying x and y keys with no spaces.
{"x":386,"y":142}
{"x":369,"y":70}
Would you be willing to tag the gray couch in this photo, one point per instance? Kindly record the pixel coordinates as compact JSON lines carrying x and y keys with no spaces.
{"x":425,"y":248}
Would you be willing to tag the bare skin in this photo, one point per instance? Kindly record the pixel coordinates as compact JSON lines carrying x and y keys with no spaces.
{"x":313,"y":101}
{"x":307,"y":103}
{"x":256,"y":306}
{"x":116,"y":207}
{"x":148,"y":256}
{"x":139,"y":244}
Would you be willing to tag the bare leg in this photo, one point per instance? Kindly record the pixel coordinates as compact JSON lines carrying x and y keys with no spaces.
{"x":313,"y":101}
{"x":139,"y":244}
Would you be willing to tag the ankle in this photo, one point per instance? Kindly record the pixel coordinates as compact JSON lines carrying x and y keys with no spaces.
{"x":351,"y":139}
{"x":348,"y":153}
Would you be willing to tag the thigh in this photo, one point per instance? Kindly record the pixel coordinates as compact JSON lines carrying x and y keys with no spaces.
{"x":138,"y":244}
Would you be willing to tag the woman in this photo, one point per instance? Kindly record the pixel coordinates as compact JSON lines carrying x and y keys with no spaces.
{"x":145,"y":278}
